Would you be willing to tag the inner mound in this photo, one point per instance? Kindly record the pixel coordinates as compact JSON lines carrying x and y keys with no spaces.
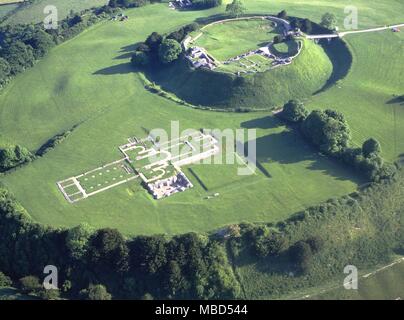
{"x":237,"y":66}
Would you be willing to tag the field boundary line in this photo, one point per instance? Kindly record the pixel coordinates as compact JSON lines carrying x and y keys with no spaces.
{"x":112,"y":185}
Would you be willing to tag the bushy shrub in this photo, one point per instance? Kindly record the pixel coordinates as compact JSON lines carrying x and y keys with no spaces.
{"x":294,"y":111}
{"x":140,"y":59}
{"x":13,"y":156}
{"x":169,"y":50}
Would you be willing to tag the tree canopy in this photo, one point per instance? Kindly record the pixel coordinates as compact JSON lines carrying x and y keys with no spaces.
{"x":328,"y":130}
{"x":12,"y":156}
{"x":169,"y":50}
{"x":371,"y":147}
{"x":96,"y":292}
{"x":329,"y":21}
{"x":235,"y":9}
{"x":294,"y":111}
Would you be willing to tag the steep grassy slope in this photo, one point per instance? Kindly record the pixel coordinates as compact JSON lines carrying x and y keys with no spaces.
{"x":266,"y":90}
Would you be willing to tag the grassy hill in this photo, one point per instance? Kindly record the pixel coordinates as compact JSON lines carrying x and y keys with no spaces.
{"x":266,"y":90}
{"x":229,"y":39}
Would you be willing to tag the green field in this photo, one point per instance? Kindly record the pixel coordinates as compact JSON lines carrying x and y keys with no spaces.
{"x":89,"y":81}
{"x":34,"y":12}
{"x":386,"y":284}
{"x":5,"y":9}
{"x":285,"y":49}
{"x":229,"y":39}
{"x":104,"y":177}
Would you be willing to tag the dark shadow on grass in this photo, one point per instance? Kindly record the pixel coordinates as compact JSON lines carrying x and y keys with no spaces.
{"x":268,"y":122}
{"x":204,"y":187}
{"x":341,"y":59}
{"x":397,"y":100}
{"x":126,"y":52}
{"x":289,"y":147}
{"x":127,"y":55}
{"x":123,"y":68}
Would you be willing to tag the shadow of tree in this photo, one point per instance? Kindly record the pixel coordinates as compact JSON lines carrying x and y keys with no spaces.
{"x":289,"y":147}
{"x":396,"y":100}
{"x":268,"y":122}
{"x":126,"y":52}
{"x":122,"y":68}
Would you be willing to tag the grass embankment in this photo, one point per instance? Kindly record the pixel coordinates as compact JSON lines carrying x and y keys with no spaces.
{"x":264,"y":90}
{"x":229,"y":39}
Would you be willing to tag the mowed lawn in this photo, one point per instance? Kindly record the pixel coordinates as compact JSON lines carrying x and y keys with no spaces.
{"x":88,"y":81}
{"x":229,"y":39}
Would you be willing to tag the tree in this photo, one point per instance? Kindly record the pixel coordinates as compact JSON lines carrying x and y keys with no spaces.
{"x":294,"y":111}
{"x":49,"y":294}
{"x":329,"y":21}
{"x":147,"y":296}
{"x":283,"y":14}
{"x":4,"y":280}
{"x":235,"y":9}
{"x":143,"y":47}
{"x":148,"y":254}
{"x":328,"y":130}
{"x":175,"y":281}
{"x":13,"y":156}
{"x":75,"y":19}
{"x":191,"y":27}
{"x":307,"y":26}
{"x":19,"y":56}
{"x":371,"y":147}
{"x":107,"y":251}
{"x":301,"y":254}
{"x":4,"y":70}
{"x":96,"y":292}
{"x":169,"y":50}
{"x":30,"y":284}
{"x":77,"y":240}
{"x":41,"y":42}
{"x":205,"y":4}
{"x":153,"y":41}
{"x":296,"y":23}
{"x":140,"y":59}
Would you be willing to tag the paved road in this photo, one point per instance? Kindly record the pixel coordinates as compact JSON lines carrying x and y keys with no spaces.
{"x":343,"y":34}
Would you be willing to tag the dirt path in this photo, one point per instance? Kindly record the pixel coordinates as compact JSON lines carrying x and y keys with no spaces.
{"x":365,"y":276}
{"x":343,"y":34}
